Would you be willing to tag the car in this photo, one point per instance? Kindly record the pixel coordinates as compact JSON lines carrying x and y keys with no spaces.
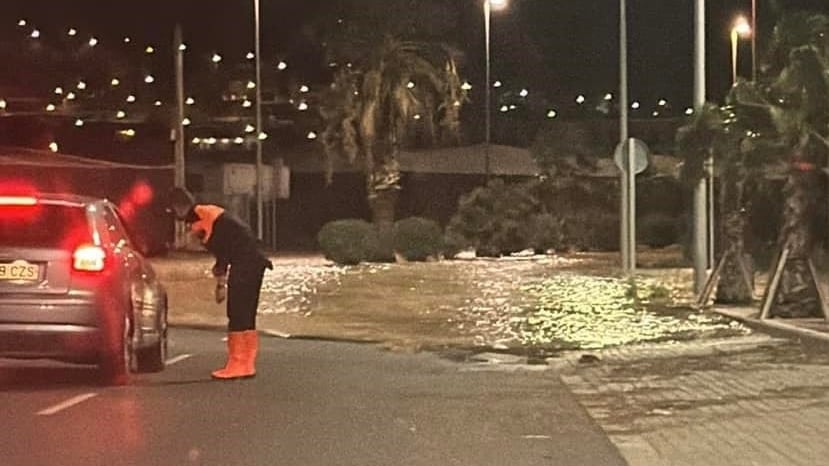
{"x":75,"y":287}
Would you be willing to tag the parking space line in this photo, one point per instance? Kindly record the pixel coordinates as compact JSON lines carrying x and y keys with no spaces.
{"x":66,"y":404}
{"x":178,"y":358}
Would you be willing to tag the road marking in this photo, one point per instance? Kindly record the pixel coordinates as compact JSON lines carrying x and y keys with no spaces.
{"x":66,"y":404}
{"x":178,"y":358}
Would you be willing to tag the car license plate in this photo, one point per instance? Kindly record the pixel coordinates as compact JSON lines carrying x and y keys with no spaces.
{"x":19,"y":271}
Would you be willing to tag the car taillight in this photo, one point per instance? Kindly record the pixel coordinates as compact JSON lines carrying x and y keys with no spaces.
{"x":89,"y":259}
{"x":17,"y":200}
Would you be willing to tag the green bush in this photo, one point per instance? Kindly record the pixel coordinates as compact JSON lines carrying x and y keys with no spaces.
{"x":546,"y":232}
{"x":659,"y":230}
{"x":417,"y":238}
{"x":349,"y":241}
{"x":494,"y":219}
{"x":591,"y":230}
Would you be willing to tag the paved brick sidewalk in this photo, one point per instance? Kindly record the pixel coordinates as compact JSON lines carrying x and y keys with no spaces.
{"x":752,"y":400}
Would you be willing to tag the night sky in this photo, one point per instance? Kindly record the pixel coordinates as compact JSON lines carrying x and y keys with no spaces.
{"x":561,"y":48}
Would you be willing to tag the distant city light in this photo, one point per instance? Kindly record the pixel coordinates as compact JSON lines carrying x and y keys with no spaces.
{"x":225,"y":141}
{"x":662,"y":102}
{"x":311,"y":135}
{"x":130,"y":98}
{"x":216,"y":58}
{"x":58,"y":90}
{"x":70,"y":96}
{"x":127,"y":132}
{"x":120,"y":114}
{"x":304,"y":89}
{"x":35,"y":34}
{"x":580,"y":99}
{"x":72,"y":32}
{"x":53,"y":146}
{"x":263,"y":136}
{"x":552,"y":114}
{"x":3,"y":104}
{"x":635,"y":105}
{"x":78,"y":122}
{"x":93,"y":41}
{"x":22,"y":23}
{"x":246,"y":103}
{"x":249,"y":129}
{"x":190,"y":101}
{"x":186,"y":122}
{"x":466,"y":86}
{"x":127,"y":40}
{"x":239,"y":140}
{"x":182,"y":47}
{"x":504,"y":109}
{"x":50,"y":108}
{"x":210,"y":140}
{"x":655,"y":113}
{"x":608,"y":96}
{"x":196,"y":140}
{"x":157,"y":103}
{"x":417,"y":116}
{"x":149,"y":79}
{"x":689,"y":111}
{"x":150,"y":49}
{"x":251,"y":85}
{"x":524,"y":93}
{"x":512,"y":107}
{"x":281,"y":66}
{"x":302,"y":106}
{"x":115,"y":82}
{"x":410,"y":85}
{"x":250,"y":56}
{"x":497,"y":84}
{"x":81,"y":85}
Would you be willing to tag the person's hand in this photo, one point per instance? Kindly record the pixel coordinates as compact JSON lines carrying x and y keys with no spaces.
{"x":221,"y":289}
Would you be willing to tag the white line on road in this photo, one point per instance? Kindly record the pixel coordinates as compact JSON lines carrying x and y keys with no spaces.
{"x":178,"y":358}
{"x":66,"y":404}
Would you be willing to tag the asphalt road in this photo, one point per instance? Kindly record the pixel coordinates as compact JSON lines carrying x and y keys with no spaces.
{"x":312,"y":403}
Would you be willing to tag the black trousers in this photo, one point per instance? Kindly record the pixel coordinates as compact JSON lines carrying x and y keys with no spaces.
{"x":243,"y":286}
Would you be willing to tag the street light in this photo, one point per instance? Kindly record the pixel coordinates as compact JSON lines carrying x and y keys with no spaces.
{"x":741,"y":28}
{"x":258,"y":53}
{"x":489,"y":5}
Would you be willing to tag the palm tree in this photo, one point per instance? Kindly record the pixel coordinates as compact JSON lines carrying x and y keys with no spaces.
{"x":373,"y":104}
{"x":798,"y":104}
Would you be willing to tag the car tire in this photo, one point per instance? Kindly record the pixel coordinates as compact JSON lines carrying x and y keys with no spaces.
{"x":115,"y":365}
{"x":154,"y":358}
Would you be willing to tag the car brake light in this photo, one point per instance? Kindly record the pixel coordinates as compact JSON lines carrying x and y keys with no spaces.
{"x":89,"y":259}
{"x":17,"y":200}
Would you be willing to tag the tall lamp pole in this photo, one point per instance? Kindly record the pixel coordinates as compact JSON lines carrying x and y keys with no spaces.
{"x":700,"y":232}
{"x":488,"y":6}
{"x":741,"y":28}
{"x":754,"y":40}
{"x":259,"y":130}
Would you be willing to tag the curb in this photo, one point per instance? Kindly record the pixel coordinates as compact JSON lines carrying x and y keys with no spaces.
{"x":274,"y":333}
{"x":776,"y":327}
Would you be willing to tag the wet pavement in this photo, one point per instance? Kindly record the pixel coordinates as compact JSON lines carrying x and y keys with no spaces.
{"x":669,"y":384}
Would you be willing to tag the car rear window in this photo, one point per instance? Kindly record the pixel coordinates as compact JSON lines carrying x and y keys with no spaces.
{"x":43,"y":226}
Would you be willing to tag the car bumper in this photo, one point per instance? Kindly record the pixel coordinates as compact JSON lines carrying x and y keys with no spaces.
{"x":75,"y":343}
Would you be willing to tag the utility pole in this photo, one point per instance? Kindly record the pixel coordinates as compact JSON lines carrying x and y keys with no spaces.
{"x":180,"y":179}
{"x":259,"y":130}
{"x":627,"y":178}
{"x":700,"y":232}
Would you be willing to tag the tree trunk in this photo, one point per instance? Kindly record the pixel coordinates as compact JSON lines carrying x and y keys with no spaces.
{"x":736,"y":285}
{"x":383,"y":205}
{"x":797,"y":295}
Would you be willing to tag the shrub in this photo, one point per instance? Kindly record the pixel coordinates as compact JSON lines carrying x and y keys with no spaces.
{"x":658,"y":230}
{"x":417,"y":238}
{"x":349,"y":241}
{"x":546,"y":232}
{"x":494,"y":219}
{"x":591,"y":230}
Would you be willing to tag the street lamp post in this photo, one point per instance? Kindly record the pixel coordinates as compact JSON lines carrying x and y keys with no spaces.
{"x":488,"y":7}
{"x":741,"y":28}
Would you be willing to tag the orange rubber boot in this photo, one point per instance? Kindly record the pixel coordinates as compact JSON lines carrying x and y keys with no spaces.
{"x":235,"y":367}
{"x":251,"y":340}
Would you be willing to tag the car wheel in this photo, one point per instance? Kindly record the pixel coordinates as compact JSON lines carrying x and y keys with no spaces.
{"x":116,"y":364}
{"x":154,"y":358}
